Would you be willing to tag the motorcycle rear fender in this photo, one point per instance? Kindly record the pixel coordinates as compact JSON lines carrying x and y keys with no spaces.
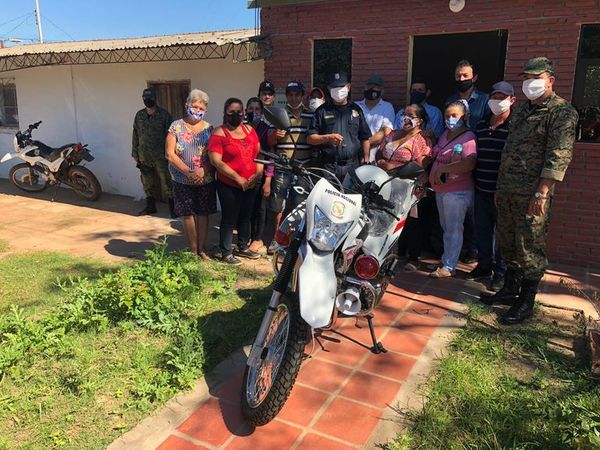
{"x":8,"y":157}
{"x":317,"y":286}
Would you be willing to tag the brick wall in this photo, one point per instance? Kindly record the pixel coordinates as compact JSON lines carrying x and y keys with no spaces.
{"x":381,"y":31}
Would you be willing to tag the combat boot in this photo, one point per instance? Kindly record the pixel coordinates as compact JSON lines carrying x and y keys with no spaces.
{"x":150,"y":207}
{"x":522,"y":309}
{"x":172,"y":209}
{"x":509,"y":292}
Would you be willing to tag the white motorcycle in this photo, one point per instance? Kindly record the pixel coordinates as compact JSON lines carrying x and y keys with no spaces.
{"x":335,"y":259}
{"x":45,"y":166}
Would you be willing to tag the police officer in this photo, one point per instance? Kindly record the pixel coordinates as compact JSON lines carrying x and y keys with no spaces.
{"x":339,"y":129}
{"x":150,"y":128}
{"x":537,"y":153}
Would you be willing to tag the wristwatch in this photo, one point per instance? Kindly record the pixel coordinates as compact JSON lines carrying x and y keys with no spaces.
{"x":539,"y":196}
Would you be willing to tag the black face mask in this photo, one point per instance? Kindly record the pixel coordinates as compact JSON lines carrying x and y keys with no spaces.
{"x":417,"y":97}
{"x":149,"y":103}
{"x":233,"y":120}
{"x":372,"y":94}
{"x":250,"y":117}
{"x":464,"y":85}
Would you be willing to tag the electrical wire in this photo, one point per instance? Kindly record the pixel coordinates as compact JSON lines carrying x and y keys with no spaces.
{"x":7,"y":35}
{"x":16,"y":18}
{"x":57,"y":27}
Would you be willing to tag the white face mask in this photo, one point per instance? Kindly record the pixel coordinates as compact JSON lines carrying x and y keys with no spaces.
{"x":339,"y":94}
{"x":314,"y":103}
{"x":534,"y":88}
{"x":499,"y":106}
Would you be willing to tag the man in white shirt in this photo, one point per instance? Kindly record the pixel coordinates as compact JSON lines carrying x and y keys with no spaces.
{"x":379,"y":114}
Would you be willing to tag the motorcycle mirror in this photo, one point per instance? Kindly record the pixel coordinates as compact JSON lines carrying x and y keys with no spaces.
{"x":278,"y":117}
{"x":409,"y":171}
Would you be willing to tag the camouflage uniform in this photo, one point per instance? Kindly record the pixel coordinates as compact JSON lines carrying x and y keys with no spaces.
{"x":148,"y":149}
{"x":539,"y":145}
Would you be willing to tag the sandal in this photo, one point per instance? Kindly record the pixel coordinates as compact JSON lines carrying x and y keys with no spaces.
{"x":230,"y":259}
{"x":441,"y":272}
{"x":204,"y":256}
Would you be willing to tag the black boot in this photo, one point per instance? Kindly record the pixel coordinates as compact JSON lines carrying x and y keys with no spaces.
{"x":509,"y":292}
{"x":150,"y":207}
{"x":523,"y":308}
{"x":172,"y":209}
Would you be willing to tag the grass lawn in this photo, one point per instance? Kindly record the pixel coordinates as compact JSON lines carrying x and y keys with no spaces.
{"x":509,"y":389}
{"x":4,"y":246}
{"x":85,"y":362}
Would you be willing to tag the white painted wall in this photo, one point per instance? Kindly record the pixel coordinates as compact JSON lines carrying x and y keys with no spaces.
{"x":95,"y":104}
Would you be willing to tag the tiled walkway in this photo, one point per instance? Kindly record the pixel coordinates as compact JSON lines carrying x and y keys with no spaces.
{"x":342,"y":390}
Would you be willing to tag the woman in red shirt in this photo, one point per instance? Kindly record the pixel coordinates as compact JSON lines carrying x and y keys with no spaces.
{"x":232,"y":149}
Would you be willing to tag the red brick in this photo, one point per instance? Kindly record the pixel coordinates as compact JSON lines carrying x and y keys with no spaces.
{"x":390,"y":365}
{"x":213,"y":422}
{"x":399,"y":341}
{"x":323,"y":375}
{"x":176,"y":443}
{"x":371,"y":389}
{"x":349,"y":421}
{"x":275,"y":435}
{"x":316,"y":442}
{"x":415,"y":323}
{"x":302,"y":405}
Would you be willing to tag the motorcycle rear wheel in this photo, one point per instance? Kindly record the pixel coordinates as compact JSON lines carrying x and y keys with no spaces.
{"x":84,"y":183}
{"x":266,"y":388}
{"x":26,"y":178}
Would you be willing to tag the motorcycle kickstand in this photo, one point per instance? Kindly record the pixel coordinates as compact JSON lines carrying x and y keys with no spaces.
{"x":377,"y":346}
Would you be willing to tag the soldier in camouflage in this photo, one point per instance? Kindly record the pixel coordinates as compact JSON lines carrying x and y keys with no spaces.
{"x":537,"y":153}
{"x":150,"y":128}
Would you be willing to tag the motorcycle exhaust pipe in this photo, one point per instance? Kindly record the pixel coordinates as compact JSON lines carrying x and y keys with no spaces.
{"x":348,"y":302}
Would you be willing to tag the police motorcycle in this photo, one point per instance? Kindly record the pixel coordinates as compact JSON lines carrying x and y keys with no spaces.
{"x":45,"y":166}
{"x":334,"y":261}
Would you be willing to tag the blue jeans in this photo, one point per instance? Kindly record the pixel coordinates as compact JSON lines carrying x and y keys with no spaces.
{"x":486,"y":217}
{"x":453,"y":207}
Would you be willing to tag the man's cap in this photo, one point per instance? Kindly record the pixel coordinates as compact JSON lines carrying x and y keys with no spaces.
{"x":294,"y":85}
{"x":375,"y":80}
{"x":266,"y":86}
{"x":337,"y":79}
{"x":504,"y":87}
{"x":537,"y":66}
{"x":148,"y":93}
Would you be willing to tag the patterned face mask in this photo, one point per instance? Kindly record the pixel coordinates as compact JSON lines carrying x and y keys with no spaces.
{"x":452,"y":123}
{"x":195,"y":113}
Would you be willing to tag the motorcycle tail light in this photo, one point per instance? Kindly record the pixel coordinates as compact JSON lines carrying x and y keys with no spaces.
{"x":366,"y":267}
{"x":282,"y":238}
{"x":78,"y":148}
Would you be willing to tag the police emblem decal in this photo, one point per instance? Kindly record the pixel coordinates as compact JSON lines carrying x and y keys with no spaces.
{"x":338,"y":209}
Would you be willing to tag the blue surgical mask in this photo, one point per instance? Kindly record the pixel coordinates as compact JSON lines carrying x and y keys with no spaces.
{"x":452,"y":123}
{"x":195,"y":114}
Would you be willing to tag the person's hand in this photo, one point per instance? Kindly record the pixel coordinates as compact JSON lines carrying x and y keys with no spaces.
{"x":280,"y":134}
{"x":536,"y":207}
{"x":335,"y":138}
{"x":251,"y":182}
{"x":242,"y":182}
{"x":266,"y":189}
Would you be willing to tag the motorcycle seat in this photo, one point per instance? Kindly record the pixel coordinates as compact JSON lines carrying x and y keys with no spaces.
{"x":50,"y":153}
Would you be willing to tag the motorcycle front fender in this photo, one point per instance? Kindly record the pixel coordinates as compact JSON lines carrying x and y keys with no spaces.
{"x":317,"y":286}
{"x":7,"y":157}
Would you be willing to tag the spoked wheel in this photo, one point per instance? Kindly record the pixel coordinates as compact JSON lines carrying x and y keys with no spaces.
{"x":84,"y":183}
{"x":25,"y":177}
{"x":266,"y":387}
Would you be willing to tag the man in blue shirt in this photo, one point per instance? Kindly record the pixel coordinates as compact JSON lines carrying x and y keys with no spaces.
{"x":466,"y":77}
{"x":419,"y":94}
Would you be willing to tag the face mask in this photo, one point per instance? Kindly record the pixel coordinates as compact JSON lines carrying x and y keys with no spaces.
{"x":417,"y":97}
{"x":149,"y":103}
{"x":534,"y":88}
{"x":464,"y":85}
{"x":452,"y":123}
{"x":252,"y":117}
{"x":301,"y":105}
{"x":408,"y":121}
{"x":372,"y":94}
{"x":314,"y":103}
{"x":499,"y":106}
{"x":233,"y":119}
{"x":339,"y":94}
{"x":195,"y":114}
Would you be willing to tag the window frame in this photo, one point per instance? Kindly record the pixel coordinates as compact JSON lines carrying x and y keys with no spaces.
{"x":313,"y":62}
{"x":4,"y":81}
{"x":186,"y":83}
{"x":579,"y":78}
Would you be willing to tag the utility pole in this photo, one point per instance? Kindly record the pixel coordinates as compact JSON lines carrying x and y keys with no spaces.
{"x":38,"y":19}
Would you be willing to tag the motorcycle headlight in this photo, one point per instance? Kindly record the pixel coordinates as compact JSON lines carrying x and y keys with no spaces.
{"x":326,"y":234}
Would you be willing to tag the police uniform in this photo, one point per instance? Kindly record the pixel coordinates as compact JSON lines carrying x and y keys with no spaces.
{"x":539,"y":145}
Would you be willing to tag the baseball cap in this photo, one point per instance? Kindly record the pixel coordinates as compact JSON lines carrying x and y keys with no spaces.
{"x":266,"y":86}
{"x":504,"y":87}
{"x":337,"y":79}
{"x":148,"y":93}
{"x":538,"y":65}
{"x":294,"y":85}
{"x":375,"y":80}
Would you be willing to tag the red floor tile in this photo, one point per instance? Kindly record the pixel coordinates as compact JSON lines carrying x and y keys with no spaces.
{"x":273,"y":436}
{"x":416,"y":323}
{"x":349,"y":421}
{"x":323,"y":375}
{"x":316,"y":442}
{"x":371,"y":389}
{"x":344,"y":352}
{"x":396,"y":299}
{"x":213,"y":422}
{"x":176,"y":443}
{"x":232,"y":389}
{"x":400,"y":341}
{"x":391,"y":365}
{"x":302,"y":405}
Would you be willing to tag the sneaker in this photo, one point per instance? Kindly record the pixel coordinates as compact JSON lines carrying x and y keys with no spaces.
{"x":497,"y":282}
{"x":272,"y":247}
{"x":478,"y":273}
{"x":230,"y":259}
{"x":247,"y":253}
{"x":468,"y":257}
{"x":441,"y":272}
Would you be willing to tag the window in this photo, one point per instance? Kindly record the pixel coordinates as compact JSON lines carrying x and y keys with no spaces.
{"x":586,"y":92}
{"x":9,"y":115}
{"x":329,"y":56}
{"x":171,"y":95}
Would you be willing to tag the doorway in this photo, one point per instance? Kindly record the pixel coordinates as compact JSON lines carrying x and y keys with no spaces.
{"x":435,"y":57}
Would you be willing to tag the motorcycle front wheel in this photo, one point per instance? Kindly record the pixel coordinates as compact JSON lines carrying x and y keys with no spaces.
{"x":266,"y":388}
{"x":84,"y":183}
{"x":25,"y":177}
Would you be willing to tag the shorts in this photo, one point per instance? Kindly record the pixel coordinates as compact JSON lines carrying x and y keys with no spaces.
{"x":194,"y":200}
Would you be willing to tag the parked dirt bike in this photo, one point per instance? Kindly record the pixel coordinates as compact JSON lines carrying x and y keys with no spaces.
{"x":45,"y":166}
{"x":335,"y":260}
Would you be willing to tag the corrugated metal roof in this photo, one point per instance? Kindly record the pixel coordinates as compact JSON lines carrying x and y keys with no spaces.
{"x":211,"y":37}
